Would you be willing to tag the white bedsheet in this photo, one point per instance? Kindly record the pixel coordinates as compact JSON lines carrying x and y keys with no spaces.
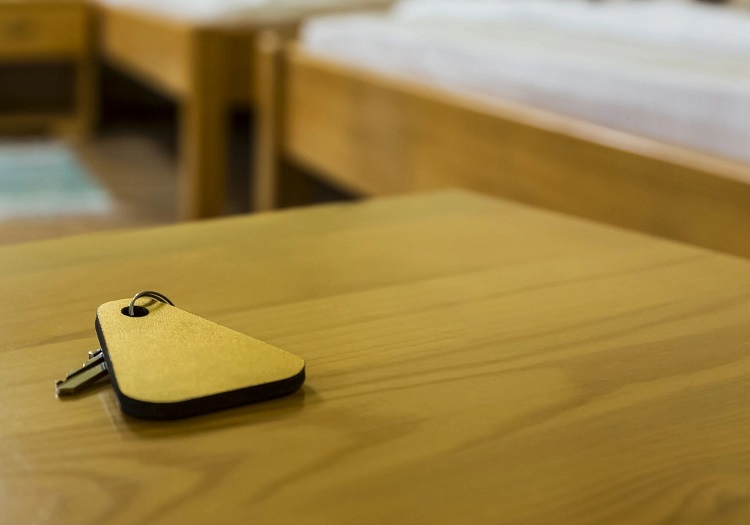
{"x":237,"y":12}
{"x":666,"y":70}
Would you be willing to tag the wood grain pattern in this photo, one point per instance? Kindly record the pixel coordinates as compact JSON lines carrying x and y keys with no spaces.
{"x":377,"y":135}
{"x":469,"y":361}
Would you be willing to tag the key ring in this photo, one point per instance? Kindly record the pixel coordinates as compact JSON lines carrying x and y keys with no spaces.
{"x":148,"y":293}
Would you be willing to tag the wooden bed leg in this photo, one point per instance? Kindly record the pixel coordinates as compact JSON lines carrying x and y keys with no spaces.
{"x":268,"y":117}
{"x":204,"y":130}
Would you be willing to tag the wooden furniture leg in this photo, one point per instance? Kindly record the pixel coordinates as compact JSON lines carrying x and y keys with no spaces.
{"x":276,"y":183}
{"x":203,"y":129}
{"x":269,"y":122}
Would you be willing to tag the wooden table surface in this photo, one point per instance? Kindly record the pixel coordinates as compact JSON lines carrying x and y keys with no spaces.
{"x":469,"y":361}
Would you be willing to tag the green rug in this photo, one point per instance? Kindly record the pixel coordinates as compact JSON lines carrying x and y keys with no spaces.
{"x":44,"y":179}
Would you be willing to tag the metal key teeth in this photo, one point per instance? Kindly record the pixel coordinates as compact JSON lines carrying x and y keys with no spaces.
{"x":92,"y":371}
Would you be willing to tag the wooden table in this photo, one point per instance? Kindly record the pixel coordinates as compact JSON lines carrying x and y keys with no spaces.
{"x":469,"y":361}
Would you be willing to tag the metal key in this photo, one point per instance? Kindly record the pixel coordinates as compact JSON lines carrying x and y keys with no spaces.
{"x":92,"y":371}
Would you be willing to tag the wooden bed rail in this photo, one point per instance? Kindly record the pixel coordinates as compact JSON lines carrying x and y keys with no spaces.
{"x":377,"y":135}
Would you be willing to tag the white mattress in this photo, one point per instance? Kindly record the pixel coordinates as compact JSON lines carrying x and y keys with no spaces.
{"x":238,"y":12}
{"x":679,"y":73}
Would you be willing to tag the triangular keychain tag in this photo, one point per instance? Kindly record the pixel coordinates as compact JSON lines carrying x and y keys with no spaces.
{"x":166,"y":363}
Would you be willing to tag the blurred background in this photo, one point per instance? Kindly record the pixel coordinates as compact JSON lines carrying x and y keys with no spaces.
{"x":120,"y":113}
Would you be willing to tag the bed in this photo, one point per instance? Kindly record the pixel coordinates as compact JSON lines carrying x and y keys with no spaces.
{"x":199,"y":53}
{"x":631,"y":113}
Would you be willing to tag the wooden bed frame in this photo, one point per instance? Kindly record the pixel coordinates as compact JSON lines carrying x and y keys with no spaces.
{"x":375,"y":135}
{"x":206,"y":70}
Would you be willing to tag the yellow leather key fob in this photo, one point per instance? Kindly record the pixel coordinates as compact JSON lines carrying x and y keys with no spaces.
{"x":166,"y":363}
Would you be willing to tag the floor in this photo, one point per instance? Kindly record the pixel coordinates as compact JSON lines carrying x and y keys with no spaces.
{"x":139,"y":173}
